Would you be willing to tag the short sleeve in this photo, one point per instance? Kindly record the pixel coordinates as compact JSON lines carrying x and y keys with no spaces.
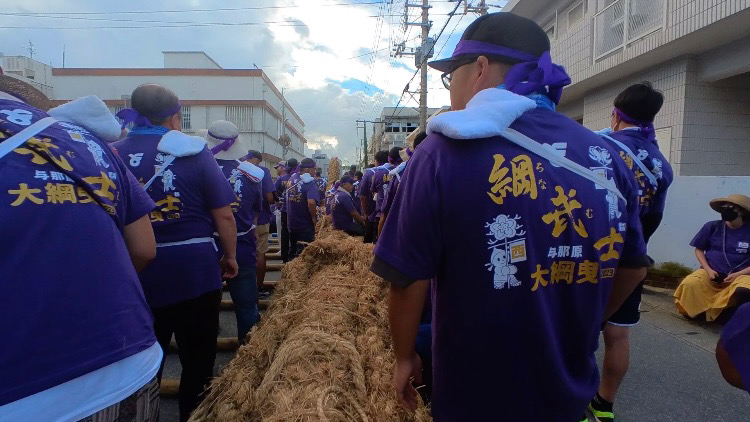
{"x":410,"y":247}
{"x":736,"y":340}
{"x":267,"y":181}
{"x":311,"y":189}
{"x":702,"y":239}
{"x":137,"y":202}
{"x":215,"y":188}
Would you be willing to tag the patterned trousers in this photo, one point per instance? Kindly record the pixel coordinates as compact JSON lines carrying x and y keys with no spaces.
{"x":141,"y":406}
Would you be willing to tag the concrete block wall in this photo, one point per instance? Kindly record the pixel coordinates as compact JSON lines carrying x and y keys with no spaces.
{"x":716,"y":128}
{"x":670,"y":78}
{"x":573,"y":48}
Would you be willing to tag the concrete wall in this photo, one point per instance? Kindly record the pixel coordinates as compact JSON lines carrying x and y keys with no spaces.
{"x":716,"y":132}
{"x":687,"y":211}
{"x":573,"y":46}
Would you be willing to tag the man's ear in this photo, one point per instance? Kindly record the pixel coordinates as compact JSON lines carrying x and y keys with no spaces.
{"x":483,"y":72}
{"x":175,"y":122}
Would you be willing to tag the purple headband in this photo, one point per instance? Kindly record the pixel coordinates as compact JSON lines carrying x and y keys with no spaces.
{"x":394,"y":162}
{"x":131,"y":115}
{"x":646,"y":127}
{"x":224,"y":146}
{"x":534,"y":74}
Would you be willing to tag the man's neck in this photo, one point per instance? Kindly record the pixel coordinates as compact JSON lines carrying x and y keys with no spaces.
{"x":623,"y":126}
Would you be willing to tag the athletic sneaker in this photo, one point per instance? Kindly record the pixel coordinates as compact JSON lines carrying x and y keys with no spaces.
{"x":584,"y":418}
{"x":600,"y":415}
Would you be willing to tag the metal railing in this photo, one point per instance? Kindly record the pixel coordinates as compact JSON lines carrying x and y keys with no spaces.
{"x":625,"y":21}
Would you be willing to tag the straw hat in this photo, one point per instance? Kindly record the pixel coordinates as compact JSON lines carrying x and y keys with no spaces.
{"x":225,"y":129}
{"x":25,"y":92}
{"x":741,"y":201}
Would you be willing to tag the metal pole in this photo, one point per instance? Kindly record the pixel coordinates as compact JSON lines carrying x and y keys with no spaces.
{"x":423,"y":67}
{"x":364,"y":163}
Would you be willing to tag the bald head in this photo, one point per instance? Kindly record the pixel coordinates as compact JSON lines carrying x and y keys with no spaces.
{"x":156,"y":103}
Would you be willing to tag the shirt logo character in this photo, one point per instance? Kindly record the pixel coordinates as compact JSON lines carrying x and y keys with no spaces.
{"x":505,"y":250}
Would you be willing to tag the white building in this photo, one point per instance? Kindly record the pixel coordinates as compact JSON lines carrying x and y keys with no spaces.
{"x":697,"y":52}
{"x":321,"y":162}
{"x":246,"y":97}
{"x":31,"y":71}
{"x":394,"y":125}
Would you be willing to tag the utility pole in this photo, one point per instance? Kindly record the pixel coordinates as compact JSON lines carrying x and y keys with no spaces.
{"x":481,"y":8}
{"x":423,"y":70}
{"x":421,"y":54}
{"x":364,"y":138}
{"x":31,"y":49}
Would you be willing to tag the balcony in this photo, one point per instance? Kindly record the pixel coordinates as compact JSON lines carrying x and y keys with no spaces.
{"x":625,"y":21}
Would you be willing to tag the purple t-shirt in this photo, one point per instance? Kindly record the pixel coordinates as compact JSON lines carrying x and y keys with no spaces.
{"x":653,"y":198}
{"x":392,"y":187}
{"x":184,"y":194}
{"x":379,"y":183}
{"x":736,"y":340}
{"x":268,"y":187}
{"x":342,"y":206}
{"x":282,"y":182}
{"x":521,"y":284}
{"x":365,"y":189}
{"x":246,"y":210}
{"x":72,"y":302}
{"x":715,"y":238}
{"x":297,"y":194}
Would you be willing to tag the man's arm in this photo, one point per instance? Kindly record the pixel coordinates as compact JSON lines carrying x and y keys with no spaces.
{"x":381,"y":222}
{"x":227,"y":229}
{"x":357,"y":217}
{"x":404,"y":313}
{"x":139,"y":239}
{"x":269,"y":198}
{"x":626,"y":280}
{"x":312,"y":207}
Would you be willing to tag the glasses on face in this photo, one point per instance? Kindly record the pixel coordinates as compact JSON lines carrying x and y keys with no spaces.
{"x":448,"y":76}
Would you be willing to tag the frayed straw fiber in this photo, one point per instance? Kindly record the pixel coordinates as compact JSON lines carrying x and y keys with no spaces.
{"x":322,"y":350}
{"x":334,"y":171}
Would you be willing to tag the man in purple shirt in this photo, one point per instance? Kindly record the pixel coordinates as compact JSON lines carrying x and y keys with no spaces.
{"x":366,"y":197}
{"x":523,"y":284}
{"x":345,"y":217}
{"x":246,"y":181}
{"x":380,"y":181}
{"x":282,"y":183}
{"x":633,"y":136}
{"x":77,"y":331}
{"x":396,"y":175}
{"x":302,"y":198}
{"x":193,"y":198}
{"x":264,"y":218}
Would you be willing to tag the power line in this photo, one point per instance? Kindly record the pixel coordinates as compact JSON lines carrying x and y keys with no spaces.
{"x":219,"y":9}
{"x":424,"y":58}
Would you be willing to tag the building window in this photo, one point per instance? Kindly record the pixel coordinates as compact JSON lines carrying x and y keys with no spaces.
{"x":242,"y":116}
{"x":186,"y":117}
{"x":575,"y":14}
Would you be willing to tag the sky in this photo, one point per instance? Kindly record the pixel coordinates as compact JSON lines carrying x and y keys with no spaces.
{"x":334,"y":57}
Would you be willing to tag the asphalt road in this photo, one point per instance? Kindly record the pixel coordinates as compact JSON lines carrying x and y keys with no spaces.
{"x":673,"y":374}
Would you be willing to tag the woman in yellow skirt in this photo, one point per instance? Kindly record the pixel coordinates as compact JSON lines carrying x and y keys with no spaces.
{"x":723,"y":250}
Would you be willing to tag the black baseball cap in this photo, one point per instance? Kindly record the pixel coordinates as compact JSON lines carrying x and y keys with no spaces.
{"x":502,"y":37}
{"x":307,"y":163}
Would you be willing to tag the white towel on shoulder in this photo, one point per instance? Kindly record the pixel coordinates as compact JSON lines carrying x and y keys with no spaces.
{"x":91,"y":114}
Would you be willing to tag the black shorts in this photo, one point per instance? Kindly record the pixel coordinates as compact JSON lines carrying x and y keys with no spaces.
{"x":629,"y":313}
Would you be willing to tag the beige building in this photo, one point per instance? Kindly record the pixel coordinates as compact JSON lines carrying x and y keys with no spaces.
{"x":697,"y":52}
{"x":392,"y":128}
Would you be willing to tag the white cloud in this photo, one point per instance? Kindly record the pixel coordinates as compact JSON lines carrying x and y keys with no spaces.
{"x":303,"y":59}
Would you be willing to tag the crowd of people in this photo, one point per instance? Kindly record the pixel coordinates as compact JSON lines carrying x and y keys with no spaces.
{"x":506,"y":258}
